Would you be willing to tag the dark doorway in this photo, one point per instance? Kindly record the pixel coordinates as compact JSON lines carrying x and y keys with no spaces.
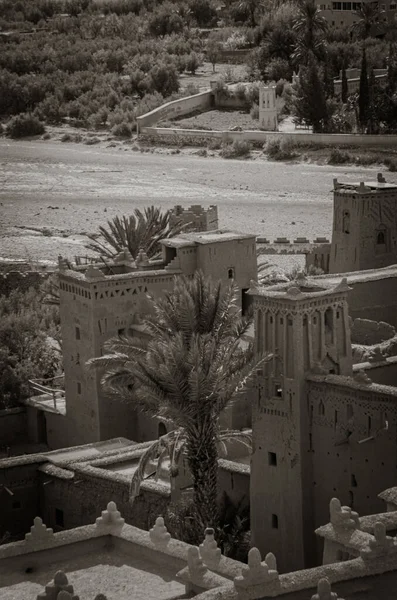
{"x":246,"y":301}
{"x":162,"y":430}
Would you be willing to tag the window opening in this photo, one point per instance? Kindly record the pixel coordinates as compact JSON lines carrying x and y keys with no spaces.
{"x":272,"y":457}
{"x":59,"y":518}
{"x":274,"y":521}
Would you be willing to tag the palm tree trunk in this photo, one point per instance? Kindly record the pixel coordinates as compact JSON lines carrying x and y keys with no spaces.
{"x":202,"y":456}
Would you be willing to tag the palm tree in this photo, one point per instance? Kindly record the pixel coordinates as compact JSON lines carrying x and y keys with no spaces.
{"x":310,"y":28}
{"x":142,"y":230}
{"x":190,"y":368}
{"x":367,"y":16}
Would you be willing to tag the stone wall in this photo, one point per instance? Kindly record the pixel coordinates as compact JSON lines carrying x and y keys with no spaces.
{"x":82,"y":498}
{"x":260,"y":137}
{"x":353,"y":440}
{"x":176,"y":108}
{"x":367,"y":332}
{"x":19,"y":493}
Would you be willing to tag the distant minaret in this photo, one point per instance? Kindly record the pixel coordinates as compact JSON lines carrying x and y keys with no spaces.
{"x":267,"y":108}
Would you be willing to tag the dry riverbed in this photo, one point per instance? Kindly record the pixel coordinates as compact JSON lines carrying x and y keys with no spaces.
{"x":52,"y":194}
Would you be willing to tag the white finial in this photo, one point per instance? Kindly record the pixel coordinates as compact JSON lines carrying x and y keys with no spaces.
{"x":39,"y":533}
{"x":110,"y":521}
{"x":209,"y":551}
{"x":324,"y":591}
{"x":195,"y":563}
{"x":258,"y":572}
{"x":343,"y":517}
{"x":159,"y":534}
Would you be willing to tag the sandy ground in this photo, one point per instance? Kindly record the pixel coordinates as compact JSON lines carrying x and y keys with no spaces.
{"x":71,"y":189}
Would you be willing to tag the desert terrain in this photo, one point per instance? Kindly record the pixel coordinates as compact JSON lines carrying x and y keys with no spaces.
{"x":53,"y":194}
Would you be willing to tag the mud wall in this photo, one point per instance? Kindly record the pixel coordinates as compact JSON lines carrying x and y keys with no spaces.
{"x":13,"y":426}
{"x":327,"y":139}
{"x":176,"y":108}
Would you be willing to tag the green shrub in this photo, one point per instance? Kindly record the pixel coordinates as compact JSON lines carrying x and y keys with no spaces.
{"x":338,"y":157}
{"x":192,"y":63}
{"x":391,"y":163}
{"x":254,"y":112}
{"x":24,"y":125}
{"x":91,"y":141}
{"x":278,"y":149}
{"x":123,"y":130}
{"x":238,"y":149}
{"x":214,"y":144}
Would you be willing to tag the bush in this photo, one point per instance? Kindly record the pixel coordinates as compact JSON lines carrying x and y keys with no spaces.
{"x":238,"y":149}
{"x":192,"y":63}
{"x":25,"y":321}
{"x":338,"y":157}
{"x":24,"y":125}
{"x":254,"y":112}
{"x":123,"y":130}
{"x":280,"y":149}
{"x":391,"y":163}
{"x":214,"y":144}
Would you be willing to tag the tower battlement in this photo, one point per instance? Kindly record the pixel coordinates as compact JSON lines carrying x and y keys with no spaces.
{"x":196,"y":217}
{"x":364,"y":233}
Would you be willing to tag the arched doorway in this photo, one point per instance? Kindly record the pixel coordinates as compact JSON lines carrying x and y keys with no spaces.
{"x":162,"y":430}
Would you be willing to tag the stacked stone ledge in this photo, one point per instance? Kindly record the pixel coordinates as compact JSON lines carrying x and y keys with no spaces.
{"x":110,"y":521}
{"x":343,"y":517}
{"x":39,"y":533}
{"x":209,"y":551}
{"x":59,"y":589}
{"x":258,"y":579}
{"x":381,"y":546}
{"x":324,"y":591}
{"x":159,"y":535}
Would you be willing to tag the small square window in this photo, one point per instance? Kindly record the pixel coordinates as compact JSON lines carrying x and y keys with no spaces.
{"x":272,"y":457}
{"x":77,"y":333}
{"x":274,"y":521}
{"x":59,"y":517}
{"x":16,"y":505}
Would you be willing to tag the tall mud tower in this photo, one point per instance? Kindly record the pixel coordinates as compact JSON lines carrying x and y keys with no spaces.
{"x":305,"y":327}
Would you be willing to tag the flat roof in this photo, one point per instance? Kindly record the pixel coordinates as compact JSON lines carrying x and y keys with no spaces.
{"x":206,"y":237}
{"x":372,"y":185}
{"x":92,"y":566}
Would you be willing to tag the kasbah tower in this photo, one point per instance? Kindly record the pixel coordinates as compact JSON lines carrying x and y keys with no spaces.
{"x":303,"y":325}
{"x":101,"y":302}
{"x":319,"y":431}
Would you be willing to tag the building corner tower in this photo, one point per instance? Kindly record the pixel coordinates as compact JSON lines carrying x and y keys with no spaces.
{"x":305,"y":326}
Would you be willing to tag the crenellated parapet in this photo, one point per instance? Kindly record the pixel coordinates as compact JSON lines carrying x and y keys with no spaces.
{"x":195,"y":218}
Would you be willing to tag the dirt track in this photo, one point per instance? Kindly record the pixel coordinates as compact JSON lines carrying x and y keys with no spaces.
{"x":86,"y":185}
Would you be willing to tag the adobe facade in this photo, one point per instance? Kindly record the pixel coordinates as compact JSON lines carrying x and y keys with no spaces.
{"x":267,"y":108}
{"x":319,"y":428}
{"x":364,"y":232}
{"x":99,"y":303}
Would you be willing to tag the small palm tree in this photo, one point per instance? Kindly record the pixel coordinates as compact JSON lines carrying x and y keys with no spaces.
{"x":368,"y":15}
{"x":140,"y":230}
{"x":190,"y":368}
{"x":310,"y":28}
